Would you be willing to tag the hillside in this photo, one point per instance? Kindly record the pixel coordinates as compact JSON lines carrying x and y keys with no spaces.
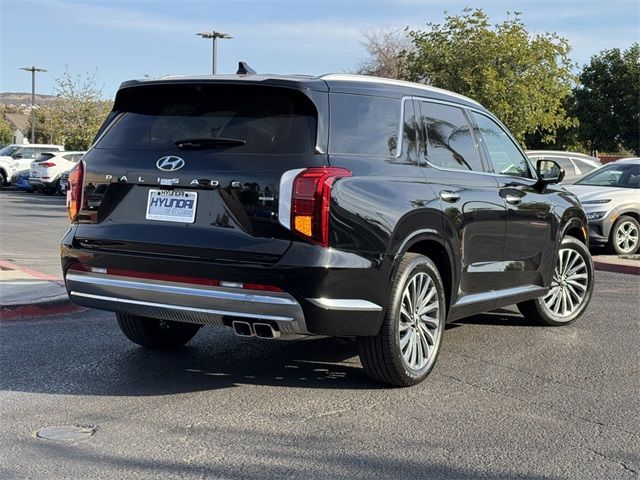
{"x":18,"y":98}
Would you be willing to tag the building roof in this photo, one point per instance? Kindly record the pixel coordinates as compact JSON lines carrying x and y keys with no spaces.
{"x":18,"y":120}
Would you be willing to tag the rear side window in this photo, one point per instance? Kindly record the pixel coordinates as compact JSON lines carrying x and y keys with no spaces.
{"x":449,"y":141}
{"x":364,"y":125}
{"x":567,"y":166}
{"x":268,"y":120}
{"x":504,"y":155}
{"x":583,"y":167}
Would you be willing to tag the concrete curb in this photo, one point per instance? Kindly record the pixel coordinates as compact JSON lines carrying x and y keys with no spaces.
{"x":616,"y":267}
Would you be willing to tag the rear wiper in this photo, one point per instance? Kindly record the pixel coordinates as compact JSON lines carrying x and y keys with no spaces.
{"x":211,"y":142}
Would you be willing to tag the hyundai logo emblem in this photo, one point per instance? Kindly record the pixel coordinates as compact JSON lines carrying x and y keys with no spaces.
{"x":170,"y":163}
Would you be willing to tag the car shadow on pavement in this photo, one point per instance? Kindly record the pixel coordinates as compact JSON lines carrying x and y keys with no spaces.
{"x":506,"y":317}
{"x":95,"y":359}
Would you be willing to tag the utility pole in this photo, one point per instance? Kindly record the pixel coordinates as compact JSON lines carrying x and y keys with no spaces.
{"x":214,"y":36}
{"x":33,"y":70}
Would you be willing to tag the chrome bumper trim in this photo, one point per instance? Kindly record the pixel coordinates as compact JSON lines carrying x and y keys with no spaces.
{"x":201,"y":304}
{"x":346,"y":304}
{"x":183,"y":308}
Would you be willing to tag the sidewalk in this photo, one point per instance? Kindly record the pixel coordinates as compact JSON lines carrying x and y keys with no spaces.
{"x":27,"y":293}
{"x":620,"y":264}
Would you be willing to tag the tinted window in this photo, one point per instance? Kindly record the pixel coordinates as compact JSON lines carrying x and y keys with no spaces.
{"x":364,"y":125}
{"x":44,"y":156}
{"x":267,"y":119}
{"x":504,"y":155}
{"x":449,"y":141}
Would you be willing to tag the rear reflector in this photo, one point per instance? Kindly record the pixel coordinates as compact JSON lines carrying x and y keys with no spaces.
{"x":311,"y":201}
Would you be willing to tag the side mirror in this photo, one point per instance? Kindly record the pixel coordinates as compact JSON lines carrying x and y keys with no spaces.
{"x":549,"y":172}
{"x":18,"y":156}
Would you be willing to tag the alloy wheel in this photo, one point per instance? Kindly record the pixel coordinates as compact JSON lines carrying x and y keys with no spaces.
{"x":569,"y":285}
{"x":626,"y":237}
{"x":418,"y":332}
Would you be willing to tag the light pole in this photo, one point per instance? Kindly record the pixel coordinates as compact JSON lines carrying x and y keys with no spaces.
{"x":214,"y":36}
{"x":33,"y":70}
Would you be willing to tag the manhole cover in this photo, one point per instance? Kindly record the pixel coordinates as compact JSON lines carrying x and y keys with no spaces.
{"x":73,"y":432}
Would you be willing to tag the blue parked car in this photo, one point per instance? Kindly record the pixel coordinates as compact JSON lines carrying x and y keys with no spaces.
{"x":20,"y":180}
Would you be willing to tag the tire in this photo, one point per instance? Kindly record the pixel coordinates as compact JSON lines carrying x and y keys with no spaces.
{"x":154,"y":333}
{"x":571,"y":290}
{"x":383,"y":356}
{"x":624,"y":238}
{"x":2,"y":180}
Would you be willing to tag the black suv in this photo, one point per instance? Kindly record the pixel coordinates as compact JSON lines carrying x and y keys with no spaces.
{"x":335,"y":205}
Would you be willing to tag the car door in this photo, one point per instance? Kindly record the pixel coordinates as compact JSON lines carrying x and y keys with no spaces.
{"x":23,"y":157}
{"x":531,"y":227}
{"x":474,"y":213}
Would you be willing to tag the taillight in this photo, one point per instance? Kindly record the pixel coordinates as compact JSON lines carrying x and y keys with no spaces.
{"x":74,"y":193}
{"x":310,"y":202}
{"x":47,"y":164}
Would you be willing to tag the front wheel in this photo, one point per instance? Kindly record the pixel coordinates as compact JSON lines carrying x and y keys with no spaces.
{"x":624,"y":238}
{"x":571,"y":287}
{"x":154,"y":333}
{"x":406,"y":348}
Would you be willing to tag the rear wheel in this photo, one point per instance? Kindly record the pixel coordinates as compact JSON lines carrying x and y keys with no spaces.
{"x":571,"y":287}
{"x":154,"y":333}
{"x":624,"y":238}
{"x":2,"y":180}
{"x":405,"y":350}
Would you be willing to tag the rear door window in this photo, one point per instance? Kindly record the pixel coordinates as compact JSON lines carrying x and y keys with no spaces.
{"x":255,"y":119}
{"x":364,"y":125}
{"x":449,"y":140}
{"x":505,"y":157}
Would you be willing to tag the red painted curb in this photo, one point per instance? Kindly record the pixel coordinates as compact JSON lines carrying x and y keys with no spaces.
{"x":35,"y":310}
{"x":613,"y":267}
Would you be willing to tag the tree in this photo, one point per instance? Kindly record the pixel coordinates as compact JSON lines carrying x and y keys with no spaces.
{"x":6,"y":132}
{"x":522,"y":78}
{"x":607,"y":101}
{"x":78,"y":112}
{"x":385,"y":50}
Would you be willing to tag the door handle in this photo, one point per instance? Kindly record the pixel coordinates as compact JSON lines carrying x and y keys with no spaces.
{"x":512,"y":199}
{"x":448,"y":196}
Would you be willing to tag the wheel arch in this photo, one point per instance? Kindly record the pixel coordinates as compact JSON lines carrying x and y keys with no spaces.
{"x":431,"y":243}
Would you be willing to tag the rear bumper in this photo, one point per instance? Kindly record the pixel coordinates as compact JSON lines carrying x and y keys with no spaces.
{"x":316,"y":299}
{"x":38,"y":182}
{"x":180,"y":302}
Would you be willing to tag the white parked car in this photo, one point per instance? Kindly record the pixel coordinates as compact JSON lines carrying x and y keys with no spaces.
{"x":46,"y":170}
{"x":574,"y":164}
{"x":611,"y":199}
{"x":16,"y":157}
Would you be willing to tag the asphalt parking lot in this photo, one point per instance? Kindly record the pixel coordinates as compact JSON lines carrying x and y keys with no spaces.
{"x":507,"y":399}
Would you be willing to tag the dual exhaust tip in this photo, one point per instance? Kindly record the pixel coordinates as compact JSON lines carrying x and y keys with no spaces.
{"x":257,"y":329}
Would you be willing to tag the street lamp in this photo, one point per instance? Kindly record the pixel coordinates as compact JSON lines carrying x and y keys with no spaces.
{"x":33,"y":70}
{"x":214,"y":36}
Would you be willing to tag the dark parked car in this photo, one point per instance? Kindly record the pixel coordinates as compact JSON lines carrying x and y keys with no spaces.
{"x":335,"y":205}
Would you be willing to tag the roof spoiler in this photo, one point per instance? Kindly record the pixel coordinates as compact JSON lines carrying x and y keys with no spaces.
{"x":245,"y":69}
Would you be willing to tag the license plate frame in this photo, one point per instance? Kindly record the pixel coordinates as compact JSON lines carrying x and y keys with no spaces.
{"x":168,"y":208}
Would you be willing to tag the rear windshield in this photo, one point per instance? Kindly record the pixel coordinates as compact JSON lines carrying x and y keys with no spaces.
{"x":268,"y":120}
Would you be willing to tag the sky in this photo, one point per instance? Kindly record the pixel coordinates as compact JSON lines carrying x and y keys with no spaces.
{"x":119,"y":40}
